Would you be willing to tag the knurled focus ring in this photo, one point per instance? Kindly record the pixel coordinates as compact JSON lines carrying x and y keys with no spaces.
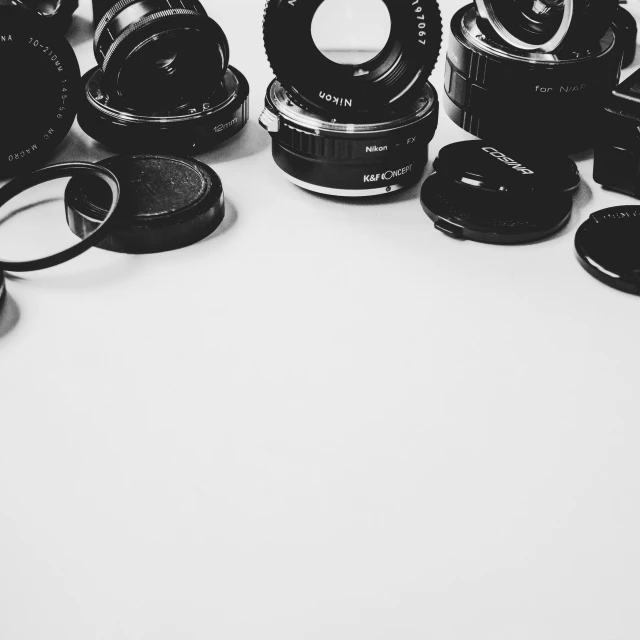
{"x":392,"y":78}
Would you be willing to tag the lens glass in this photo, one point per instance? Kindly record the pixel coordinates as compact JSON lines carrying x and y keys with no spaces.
{"x":33,"y":225}
{"x":45,"y":7}
{"x":541,"y":16}
{"x":351,"y":31}
{"x":166,"y":71}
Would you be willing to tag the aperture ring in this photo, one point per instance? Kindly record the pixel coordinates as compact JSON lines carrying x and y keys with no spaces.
{"x":393,"y":77}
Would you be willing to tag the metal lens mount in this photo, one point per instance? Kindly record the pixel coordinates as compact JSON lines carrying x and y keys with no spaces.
{"x":499,"y":92}
{"x":546,"y":25}
{"x":379,"y":155}
{"x":194,"y":128}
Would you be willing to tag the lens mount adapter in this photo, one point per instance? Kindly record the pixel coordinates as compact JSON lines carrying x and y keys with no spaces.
{"x":196,"y":127}
{"x":53,"y":15}
{"x":498,"y":92}
{"x":396,"y":75}
{"x":374,"y":157}
{"x":546,"y":25}
{"x":160,"y":53}
{"x":40,"y":79}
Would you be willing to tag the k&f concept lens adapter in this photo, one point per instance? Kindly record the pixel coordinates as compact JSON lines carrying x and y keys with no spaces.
{"x":322,"y":154}
{"x":499,"y":92}
{"x":164,"y":83}
{"x":53,"y":15}
{"x":397,"y":74}
{"x":40,"y":79}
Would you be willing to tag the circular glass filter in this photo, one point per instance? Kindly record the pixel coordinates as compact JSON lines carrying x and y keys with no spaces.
{"x":33,"y":230}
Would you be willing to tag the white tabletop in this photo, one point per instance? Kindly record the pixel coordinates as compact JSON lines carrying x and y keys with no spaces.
{"x":325,"y":421}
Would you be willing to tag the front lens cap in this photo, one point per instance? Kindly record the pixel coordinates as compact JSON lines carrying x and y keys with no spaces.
{"x":608,"y":247}
{"x":488,"y":193}
{"x":167,"y":203}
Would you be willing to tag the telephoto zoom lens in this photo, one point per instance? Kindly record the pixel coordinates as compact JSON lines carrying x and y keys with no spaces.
{"x":499,"y":92}
{"x":352,"y":130}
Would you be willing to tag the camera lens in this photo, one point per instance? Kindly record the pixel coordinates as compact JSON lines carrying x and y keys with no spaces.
{"x":397,"y":73}
{"x":386,"y":153}
{"x":39,"y":76}
{"x":545,"y":25}
{"x":160,"y":54}
{"x":50,"y":14}
{"x":496,"y":91}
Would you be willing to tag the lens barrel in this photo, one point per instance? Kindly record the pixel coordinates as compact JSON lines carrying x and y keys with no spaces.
{"x":321,"y":154}
{"x":40,"y":81}
{"x":498,"y":92}
{"x":397,"y":74}
{"x":160,"y":54}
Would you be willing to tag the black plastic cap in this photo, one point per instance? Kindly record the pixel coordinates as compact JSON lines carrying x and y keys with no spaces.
{"x":487,"y":193}
{"x":167,"y":203}
{"x":608,"y":247}
{"x":627,"y":29}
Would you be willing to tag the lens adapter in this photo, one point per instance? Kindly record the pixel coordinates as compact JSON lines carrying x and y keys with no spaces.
{"x":396,"y":75}
{"x":39,"y":76}
{"x":496,"y":91}
{"x":319,"y":153}
{"x":53,"y":15}
{"x":191,"y":129}
{"x":160,"y":54}
{"x":546,"y":25}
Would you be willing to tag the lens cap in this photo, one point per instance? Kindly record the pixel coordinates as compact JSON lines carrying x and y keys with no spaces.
{"x":489,"y":193}
{"x":608,"y":247}
{"x":40,"y":79}
{"x":166,"y":203}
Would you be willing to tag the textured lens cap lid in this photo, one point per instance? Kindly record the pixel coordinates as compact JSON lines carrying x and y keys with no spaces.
{"x":166,"y":203}
{"x":608,"y":247}
{"x":488,"y":193}
{"x":40,"y":82}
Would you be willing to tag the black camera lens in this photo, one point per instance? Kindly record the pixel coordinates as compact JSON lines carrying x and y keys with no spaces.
{"x":160,"y":54}
{"x":398,"y":73}
{"x":386,"y":153}
{"x":194,"y":128}
{"x":546,"y":25}
{"x":54,"y":15}
{"x":499,"y":92}
{"x":40,"y":78}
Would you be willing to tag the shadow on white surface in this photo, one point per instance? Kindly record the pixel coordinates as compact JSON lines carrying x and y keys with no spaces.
{"x":9,"y":316}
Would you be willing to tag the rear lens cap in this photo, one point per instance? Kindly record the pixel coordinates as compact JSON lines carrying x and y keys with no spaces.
{"x":491,"y":194}
{"x":40,"y":80}
{"x":608,"y":247}
{"x":166,"y":203}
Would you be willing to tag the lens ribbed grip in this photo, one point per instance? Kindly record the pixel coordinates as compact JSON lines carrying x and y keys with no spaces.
{"x":315,"y":145}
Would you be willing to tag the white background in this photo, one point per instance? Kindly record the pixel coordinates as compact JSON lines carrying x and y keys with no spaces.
{"x":326,"y":421}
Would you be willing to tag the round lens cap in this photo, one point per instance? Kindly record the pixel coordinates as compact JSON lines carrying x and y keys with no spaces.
{"x":487,"y":193}
{"x":608,"y":247}
{"x":166,"y":203}
{"x":40,"y":81}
